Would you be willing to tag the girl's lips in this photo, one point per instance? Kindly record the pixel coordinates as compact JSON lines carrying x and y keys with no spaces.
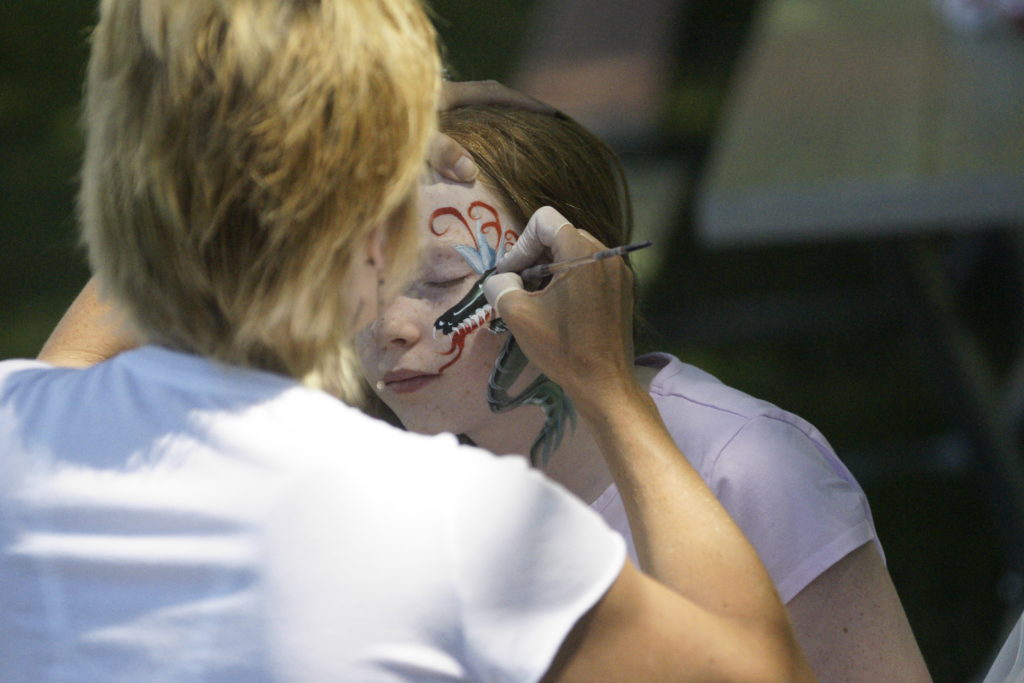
{"x":408,"y":384}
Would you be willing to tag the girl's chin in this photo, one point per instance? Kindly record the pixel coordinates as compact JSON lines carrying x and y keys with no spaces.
{"x":422,"y":425}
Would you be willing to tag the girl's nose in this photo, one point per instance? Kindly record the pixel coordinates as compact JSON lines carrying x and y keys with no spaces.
{"x":400,"y":324}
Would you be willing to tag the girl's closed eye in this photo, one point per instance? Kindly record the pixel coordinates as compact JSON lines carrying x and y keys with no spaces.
{"x":446,"y":282}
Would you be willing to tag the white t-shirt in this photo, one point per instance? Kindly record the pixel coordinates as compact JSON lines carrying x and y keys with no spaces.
{"x":1008,"y":666}
{"x":165,"y":518}
{"x":781,"y":482}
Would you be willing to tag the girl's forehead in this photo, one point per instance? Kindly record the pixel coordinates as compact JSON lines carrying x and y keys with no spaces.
{"x":449,"y":211}
{"x":445,"y":193}
{"x":458,"y":196}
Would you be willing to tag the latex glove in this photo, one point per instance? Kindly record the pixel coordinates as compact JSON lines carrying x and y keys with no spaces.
{"x":578,"y":329}
{"x":533,"y":245}
{"x":448,"y":157}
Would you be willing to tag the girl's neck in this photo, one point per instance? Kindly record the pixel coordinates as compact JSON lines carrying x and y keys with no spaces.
{"x":577,"y":464}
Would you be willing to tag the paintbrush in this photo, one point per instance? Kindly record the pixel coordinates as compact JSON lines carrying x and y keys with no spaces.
{"x":539,"y":272}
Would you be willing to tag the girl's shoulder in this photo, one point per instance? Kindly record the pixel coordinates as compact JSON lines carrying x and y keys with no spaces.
{"x":705,"y":415}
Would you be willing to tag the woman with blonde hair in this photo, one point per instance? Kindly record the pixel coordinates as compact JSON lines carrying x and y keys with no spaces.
{"x":776,"y":474}
{"x":196,"y":509}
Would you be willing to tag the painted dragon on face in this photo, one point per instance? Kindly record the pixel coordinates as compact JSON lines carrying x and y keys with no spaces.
{"x":473,"y":311}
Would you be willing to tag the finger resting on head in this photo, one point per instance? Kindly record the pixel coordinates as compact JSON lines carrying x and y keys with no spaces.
{"x":450,"y":159}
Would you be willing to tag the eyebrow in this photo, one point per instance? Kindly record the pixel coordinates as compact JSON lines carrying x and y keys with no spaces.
{"x":441,"y":260}
{"x":445,"y":252}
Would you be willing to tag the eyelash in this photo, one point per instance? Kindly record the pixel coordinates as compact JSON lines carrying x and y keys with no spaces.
{"x":447,"y":284}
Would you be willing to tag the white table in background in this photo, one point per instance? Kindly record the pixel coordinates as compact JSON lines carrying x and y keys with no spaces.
{"x":873,"y":119}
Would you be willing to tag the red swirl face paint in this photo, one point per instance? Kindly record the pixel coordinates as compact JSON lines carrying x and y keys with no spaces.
{"x":473,"y":311}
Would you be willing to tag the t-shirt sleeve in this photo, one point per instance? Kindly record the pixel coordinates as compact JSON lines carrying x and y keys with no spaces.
{"x":796,"y":502}
{"x":531,"y":560}
{"x":10,"y":367}
{"x":1009,"y":663}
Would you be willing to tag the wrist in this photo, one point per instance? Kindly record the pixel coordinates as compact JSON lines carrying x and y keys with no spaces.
{"x":620,"y":398}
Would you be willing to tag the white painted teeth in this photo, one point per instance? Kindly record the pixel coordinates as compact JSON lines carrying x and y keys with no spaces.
{"x":474,"y":321}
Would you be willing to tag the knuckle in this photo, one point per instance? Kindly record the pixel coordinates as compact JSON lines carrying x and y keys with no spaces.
{"x":510,"y":306}
{"x":550,"y":213}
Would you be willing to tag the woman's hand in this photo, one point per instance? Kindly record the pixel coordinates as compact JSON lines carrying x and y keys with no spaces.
{"x":446,"y":156}
{"x":577,"y":330}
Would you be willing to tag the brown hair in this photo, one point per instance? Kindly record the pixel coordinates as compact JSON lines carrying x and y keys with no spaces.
{"x":241,"y":154}
{"x":534,"y":159}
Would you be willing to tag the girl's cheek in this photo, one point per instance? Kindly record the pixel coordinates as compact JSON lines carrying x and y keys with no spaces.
{"x":364,"y":344}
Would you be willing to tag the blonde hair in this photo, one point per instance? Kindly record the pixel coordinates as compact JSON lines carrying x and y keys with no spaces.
{"x":241,"y":154}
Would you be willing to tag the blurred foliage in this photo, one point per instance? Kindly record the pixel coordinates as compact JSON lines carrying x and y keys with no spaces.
{"x":481,"y":39}
{"x":43,"y":49}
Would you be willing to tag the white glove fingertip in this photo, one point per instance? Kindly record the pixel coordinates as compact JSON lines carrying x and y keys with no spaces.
{"x":538,"y":236}
{"x":548,"y":222}
{"x":498,"y":286}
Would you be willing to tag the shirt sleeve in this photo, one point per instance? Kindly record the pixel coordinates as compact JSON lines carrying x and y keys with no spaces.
{"x":1009,"y":663}
{"x":10,"y":367}
{"x":796,"y":502}
{"x":531,"y":560}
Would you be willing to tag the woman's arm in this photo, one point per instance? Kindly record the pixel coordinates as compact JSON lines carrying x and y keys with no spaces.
{"x":90,"y":331}
{"x":850,"y":623}
{"x":708,"y":610}
{"x":712,"y":610}
{"x":828,"y":568}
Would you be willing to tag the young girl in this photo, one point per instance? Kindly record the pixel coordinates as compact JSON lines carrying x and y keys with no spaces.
{"x":776,"y":474}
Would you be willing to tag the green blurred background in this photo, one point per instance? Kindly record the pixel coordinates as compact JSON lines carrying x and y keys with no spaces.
{"x":819,"y":330}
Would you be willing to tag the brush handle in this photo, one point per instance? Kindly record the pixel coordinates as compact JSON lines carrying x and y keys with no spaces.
{"x":539,"y":272}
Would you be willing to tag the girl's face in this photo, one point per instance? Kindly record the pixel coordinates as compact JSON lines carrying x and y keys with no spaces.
{"x":436,"y":382}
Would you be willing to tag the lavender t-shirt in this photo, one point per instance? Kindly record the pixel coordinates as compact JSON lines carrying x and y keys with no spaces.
{"x":773,"y":471}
